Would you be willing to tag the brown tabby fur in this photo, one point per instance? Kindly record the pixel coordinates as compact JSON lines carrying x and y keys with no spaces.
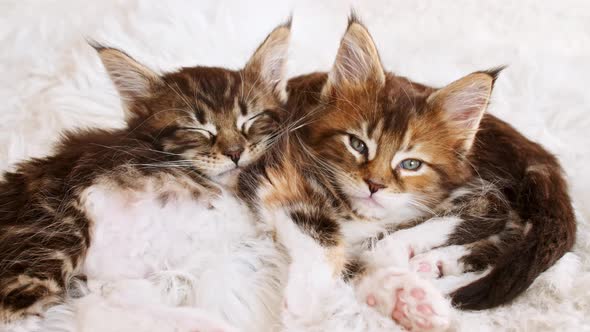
{"x":44,"y":231}
{"x":515,"y":206}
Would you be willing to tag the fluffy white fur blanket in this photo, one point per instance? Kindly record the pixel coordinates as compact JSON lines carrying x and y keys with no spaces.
{"x":50,"y":79}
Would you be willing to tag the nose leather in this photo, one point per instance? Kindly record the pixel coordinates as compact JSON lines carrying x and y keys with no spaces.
{"x":234,"y":153}
{"x":374,"y":186}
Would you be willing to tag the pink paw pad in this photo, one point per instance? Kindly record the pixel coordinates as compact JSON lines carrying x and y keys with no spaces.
{"x":424,"y":267}
{"x":425,"y":309}
{"x":417,"y":319}
{"x":399,"y":311}
{"x":418,"y":293}
{"x":371,"y":301}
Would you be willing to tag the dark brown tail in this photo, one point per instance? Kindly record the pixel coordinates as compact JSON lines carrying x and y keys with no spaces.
{"x":545,"y":204}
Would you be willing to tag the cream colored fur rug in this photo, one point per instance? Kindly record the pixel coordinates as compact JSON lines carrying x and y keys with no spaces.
{"x":50,"y":79}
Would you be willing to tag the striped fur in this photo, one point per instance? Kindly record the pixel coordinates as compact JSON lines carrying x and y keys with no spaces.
{"x":197,"y":128}
{"x":508,"y":192}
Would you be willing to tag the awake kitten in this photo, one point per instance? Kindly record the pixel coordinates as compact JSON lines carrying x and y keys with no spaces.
{"x":398,"y":153}
{"x":89,"y":209}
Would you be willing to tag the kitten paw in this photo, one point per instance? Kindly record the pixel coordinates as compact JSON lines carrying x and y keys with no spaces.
{"x":392,"y":251}
{"x":439,"y":262}
{"x":427,"y":266}
{"x":412,"y":302}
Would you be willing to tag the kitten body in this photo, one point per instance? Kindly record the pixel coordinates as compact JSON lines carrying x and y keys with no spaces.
{"x":150,"y":207}
{"x":395,"y":154}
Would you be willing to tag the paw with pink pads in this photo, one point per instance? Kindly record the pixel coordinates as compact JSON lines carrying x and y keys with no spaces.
{"x":412,"y":302}
{"x":436,"y":263}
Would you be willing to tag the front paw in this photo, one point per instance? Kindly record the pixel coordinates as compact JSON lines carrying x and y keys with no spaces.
{"x":392,"y":251}
{"x":436,"y":263}
{"x":412,"y":302}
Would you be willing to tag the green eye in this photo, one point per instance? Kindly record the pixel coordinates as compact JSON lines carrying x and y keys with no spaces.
{"x":411,"y":164}
{"x":358,"y":145}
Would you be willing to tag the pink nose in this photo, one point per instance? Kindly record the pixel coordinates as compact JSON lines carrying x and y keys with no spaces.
{"x":374,"y":186}
{"x":234,"y":154}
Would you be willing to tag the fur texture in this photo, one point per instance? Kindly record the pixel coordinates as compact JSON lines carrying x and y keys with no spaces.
{"x":63,"y":89}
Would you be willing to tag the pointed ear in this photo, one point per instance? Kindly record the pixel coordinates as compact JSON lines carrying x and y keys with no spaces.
{"x":357,"y":61}
{"x":132,"y":79}
{"x":464,"y":102}
{"x":269,"y":62}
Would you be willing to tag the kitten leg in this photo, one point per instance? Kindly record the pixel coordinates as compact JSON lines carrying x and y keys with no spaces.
{"x":316,"y":298}
{"x":396,"y":249}
{"x":398,"y":293}
{"x":455,"y":266}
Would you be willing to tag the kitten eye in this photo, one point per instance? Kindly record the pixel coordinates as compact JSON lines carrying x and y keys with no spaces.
{"x":266,"y":114}
{"x":411,"y":164}
{"x":246,"y":125}
{"x":358,"y":145}
{"x":205,"y":132}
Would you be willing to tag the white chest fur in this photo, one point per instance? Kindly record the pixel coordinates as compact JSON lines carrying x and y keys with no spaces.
{"x":230,"y":267}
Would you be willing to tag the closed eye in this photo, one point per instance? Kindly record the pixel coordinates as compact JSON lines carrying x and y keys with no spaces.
{"x":206,"y":132}
{"x":246,"y":125}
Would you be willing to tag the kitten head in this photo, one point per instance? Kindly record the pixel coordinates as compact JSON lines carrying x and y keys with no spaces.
{"x":213,"y":119}
{"x":395,"y":148}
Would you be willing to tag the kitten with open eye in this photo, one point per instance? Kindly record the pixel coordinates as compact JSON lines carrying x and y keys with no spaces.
{"x":470,"y":196}
{"x":152,"y":198}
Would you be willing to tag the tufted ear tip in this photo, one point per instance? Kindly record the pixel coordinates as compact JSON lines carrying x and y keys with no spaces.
{"x":132,"y":80}
{"x":464,"y":101}
{"x":269,"y":61}
{"x":353,"y":18}
{"x":357,"y":61}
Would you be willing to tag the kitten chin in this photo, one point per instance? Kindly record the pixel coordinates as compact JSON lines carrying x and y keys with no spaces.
{"x":228,"y":179}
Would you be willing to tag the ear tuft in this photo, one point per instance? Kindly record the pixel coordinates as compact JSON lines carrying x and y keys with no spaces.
{"x":269,"y":61}
{"x":357,"y":61}
{"x":494,"y":72}
{"x":132,"y":79}
{"x":465,"y":101}
{"x":353,"y":18}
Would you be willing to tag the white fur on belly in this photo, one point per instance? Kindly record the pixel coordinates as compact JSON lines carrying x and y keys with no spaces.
{"x":199,"y":252}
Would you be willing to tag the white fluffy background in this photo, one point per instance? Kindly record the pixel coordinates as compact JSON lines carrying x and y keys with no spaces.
{"x":50,"y":79}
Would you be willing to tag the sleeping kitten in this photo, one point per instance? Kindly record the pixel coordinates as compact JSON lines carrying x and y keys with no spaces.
{"x":390,"y":154}
{"x":141,"y":202}
{"x":139,"y":212}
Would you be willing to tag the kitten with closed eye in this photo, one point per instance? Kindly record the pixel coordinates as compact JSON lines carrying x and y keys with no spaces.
{"x":141,"y":213}
{"x":153,"y":199}
{"x":470,"y":196}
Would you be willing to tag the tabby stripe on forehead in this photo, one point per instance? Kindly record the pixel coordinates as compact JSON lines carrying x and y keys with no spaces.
{"x":200,"y":114}
{"x":371,"y":128}
{"x":243,"y":107}
{"x":188,"y":87}
{"x":205,"y":100}
{"x":331,"y":133}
